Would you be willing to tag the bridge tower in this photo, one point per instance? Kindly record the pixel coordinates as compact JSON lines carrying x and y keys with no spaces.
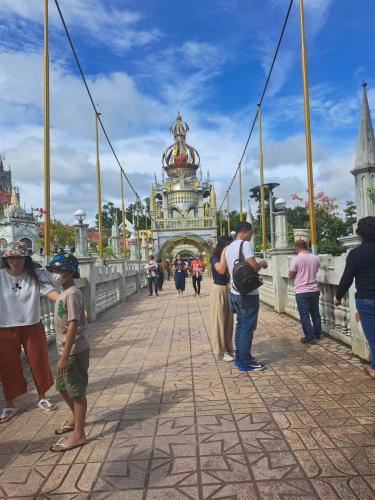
{"x":183,"y":206}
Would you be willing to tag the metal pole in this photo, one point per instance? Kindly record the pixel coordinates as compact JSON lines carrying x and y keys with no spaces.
{"x":137,"y":219}
{"x":271,"y":220}
{"x":240,"y":182}
{"x":47,"y":180}
{"x":123,"y":213}
{"x":221,"y":223}
{"x":98,"y":188}
{"x":310,"y":178}
{"x":228,"y":221}
{"x":261,"y":174}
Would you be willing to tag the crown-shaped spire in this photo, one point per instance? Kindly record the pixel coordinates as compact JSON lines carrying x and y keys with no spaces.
{"x":365,"y":156}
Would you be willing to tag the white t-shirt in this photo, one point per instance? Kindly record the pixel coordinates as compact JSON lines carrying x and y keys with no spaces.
{"x":20,"y":298}
{"x":151,"y":268}
{"x":232,"y":254}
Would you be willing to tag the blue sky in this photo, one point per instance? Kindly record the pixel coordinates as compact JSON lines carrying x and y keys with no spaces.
{"x":145,"y":60}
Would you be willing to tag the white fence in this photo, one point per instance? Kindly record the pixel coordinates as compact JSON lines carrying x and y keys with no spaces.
{"x":338,"y":322}
{"x":102,"y":286}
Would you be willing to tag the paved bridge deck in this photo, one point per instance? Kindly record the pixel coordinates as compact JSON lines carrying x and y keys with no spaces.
{"x":168,"y":421}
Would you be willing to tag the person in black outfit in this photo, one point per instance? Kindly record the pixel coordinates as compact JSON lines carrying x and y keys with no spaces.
{"x":360,"y":265}
{"x":160,"y":274}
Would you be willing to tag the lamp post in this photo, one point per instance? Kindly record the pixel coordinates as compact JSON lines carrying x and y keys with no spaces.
{"x":270,"y":187}
{"x":81,"y":242}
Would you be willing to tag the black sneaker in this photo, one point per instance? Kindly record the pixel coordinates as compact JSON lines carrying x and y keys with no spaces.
{"x":318,"y":337}
{"x":252,"y":366}
{"x":304,"y":340}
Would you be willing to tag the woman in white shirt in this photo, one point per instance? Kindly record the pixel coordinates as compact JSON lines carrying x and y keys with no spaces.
{"x":21,"y":286}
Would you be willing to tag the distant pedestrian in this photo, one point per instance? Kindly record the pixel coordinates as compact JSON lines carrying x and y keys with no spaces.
{"x":152,"y":275}
{"x":73,"y":349}
{"x":160,"y":272}
{"x":360,"y":265}
{"x":220,"y":311}
{"x":196,"y":269}
{"x":180,"y":268}
{"x":245,"y":306}
{"x":303,"y":270}
{"x":168,"y":267}
{"x":21,"y":287}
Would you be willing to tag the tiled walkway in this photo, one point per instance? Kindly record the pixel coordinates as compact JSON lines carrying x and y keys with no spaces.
{"x":168,"y":421}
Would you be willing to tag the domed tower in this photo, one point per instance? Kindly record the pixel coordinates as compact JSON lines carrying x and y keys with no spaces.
{"x":182,"y":205}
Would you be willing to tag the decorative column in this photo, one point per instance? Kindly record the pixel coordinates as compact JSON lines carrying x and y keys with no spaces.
{"x":280,"y":257}
{"x":364,"y":170}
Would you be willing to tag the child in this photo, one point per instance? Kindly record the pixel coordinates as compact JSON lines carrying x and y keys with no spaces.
{"x":73,"y":348}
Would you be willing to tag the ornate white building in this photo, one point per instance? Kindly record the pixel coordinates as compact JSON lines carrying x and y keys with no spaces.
{"x":15,"y":222}
{"x":182,"y":206}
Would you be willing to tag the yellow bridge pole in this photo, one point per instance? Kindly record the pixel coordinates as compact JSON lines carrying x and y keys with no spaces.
{"x":98,"y":188}
{"x":123,"y":213}
{"x":310,"y":177}
{"x":261,"y":175}
{"x":47,"y":180}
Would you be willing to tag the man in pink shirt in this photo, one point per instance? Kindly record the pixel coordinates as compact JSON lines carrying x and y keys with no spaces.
{"x":303,"y":269}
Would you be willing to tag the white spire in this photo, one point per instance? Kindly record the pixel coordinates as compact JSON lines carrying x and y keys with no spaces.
{"x":365,"y":156}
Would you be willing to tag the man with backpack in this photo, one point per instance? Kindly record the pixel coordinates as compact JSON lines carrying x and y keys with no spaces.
{"x":244,"y":280}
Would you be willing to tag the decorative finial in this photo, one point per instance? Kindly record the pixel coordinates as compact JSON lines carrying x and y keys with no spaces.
{"x":364,"y":84}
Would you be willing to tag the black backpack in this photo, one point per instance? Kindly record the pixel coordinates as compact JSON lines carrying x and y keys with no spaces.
{"x":245,"y":277}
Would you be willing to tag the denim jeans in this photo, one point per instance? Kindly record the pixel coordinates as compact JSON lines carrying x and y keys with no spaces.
{"x":153,"y":283}
{"x":246,"y":308}
{"x":366,"y":309}
{"x":308,"y":307}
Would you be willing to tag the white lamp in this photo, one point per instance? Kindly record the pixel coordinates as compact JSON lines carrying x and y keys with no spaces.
{"x":80,"y":215}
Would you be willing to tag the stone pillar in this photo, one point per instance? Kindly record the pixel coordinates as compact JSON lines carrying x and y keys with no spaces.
{"x":301,"y":234}
{"x":115,"y":240}
{"x":133,"y":247}
{"x":87,"y":271}
{"x":81,"y":243}
{"x":281,"y":230}
{"x":279,"y":260}
{"x":143,"y":246}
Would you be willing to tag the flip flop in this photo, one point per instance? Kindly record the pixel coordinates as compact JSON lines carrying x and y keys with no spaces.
{"x":7,"y":413}
{"x":64,"y":428}
{"x":50,"y":406}
{"x":368,"y":372}
{"x":60,"y":447}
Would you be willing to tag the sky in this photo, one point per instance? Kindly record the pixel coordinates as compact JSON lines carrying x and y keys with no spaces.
{"x":145,"y":60}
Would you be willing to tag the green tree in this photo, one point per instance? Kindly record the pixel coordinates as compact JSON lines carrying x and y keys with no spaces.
{"x":350,"y":212}
{"x":61,"y":235}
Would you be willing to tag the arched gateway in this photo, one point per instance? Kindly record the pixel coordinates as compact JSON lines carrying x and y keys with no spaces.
{"x":182,"y":206}
{"x":187,"y":246}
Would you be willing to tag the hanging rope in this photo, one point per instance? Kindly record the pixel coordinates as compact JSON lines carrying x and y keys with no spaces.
{"x":261,"y":98}
{"x":94,"y":106}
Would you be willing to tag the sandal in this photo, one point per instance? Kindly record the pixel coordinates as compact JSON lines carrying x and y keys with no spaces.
{"x":369,"y":371}
{"x":7,"y":413}
{"x":46,"y":405}
{"x":64,"y":428}
{"x":62,"y":448}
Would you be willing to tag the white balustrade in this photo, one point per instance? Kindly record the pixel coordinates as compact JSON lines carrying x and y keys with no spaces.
{"x":337,"y":322}
{"x":107,"y":285}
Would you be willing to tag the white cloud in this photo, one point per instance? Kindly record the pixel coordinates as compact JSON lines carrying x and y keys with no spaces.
{"x":118,"y":29}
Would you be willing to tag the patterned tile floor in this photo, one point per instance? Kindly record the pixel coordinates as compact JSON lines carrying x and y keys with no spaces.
{"x":168,"y":421}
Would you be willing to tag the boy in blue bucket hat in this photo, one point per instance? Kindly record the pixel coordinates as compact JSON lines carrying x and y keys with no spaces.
{"x":73,"y":349}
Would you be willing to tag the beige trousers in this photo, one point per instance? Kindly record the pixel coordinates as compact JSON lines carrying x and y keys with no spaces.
{"x":221,"y":320}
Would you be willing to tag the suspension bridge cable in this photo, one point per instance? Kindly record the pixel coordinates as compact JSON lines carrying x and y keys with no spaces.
{"x":261,"y":99}
{"x":94,"y":105}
